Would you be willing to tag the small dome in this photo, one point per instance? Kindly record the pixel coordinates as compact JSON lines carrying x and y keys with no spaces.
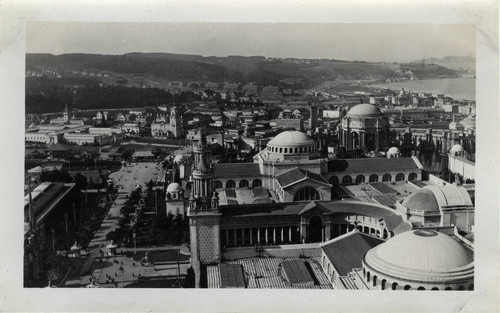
{"x":174,"y":187}
{"x":422,"y":255}
{"x":364,"y":110}
{"x":393,"y":150}
{"x":457,"y":148}
{"x":179,"y":158}
{"x":291,"y":139}
{"x":422,"y":200}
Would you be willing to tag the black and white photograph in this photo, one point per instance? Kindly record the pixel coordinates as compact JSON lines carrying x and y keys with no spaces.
{"x":230,"y":156}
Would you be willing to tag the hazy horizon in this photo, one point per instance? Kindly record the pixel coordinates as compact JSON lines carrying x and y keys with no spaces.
{"x":232,"y":55}
{"x":350,"y":42}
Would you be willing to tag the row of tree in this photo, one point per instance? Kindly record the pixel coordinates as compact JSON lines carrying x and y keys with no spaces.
{"x":54,"y":96}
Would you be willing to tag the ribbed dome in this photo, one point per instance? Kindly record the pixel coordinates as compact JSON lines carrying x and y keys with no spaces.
{"x":364,"y":110}
{"x":291,"y":139}
{"x":422,"y":255}
{"x":422,"y":200}
{"x":393,"y":150}
{"x":179,"y":158}
{"x":457,"y":148}
{"x":174,"y":187}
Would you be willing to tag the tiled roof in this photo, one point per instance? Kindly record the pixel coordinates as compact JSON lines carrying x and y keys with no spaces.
{"x":296,"y":174}
{"x":383,"y":188}
{"x":371,"y":165}
{"x":396,"y":224}
{"x":265,"y":273}
{"x":346,"y":252}
{"x":236,"y":170}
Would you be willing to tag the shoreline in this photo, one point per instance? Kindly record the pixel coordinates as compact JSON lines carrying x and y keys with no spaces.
{"x":435,"y":86}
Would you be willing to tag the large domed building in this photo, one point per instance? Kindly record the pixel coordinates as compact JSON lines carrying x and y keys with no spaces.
{"x":283,"y":197}
{"x":292,"y":145}
{"x":364,"y":127}
{"x":439,"y":206}
{"x":419,"y":260}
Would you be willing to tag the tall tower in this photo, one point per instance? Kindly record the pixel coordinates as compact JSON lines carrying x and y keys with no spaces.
{"x":313,"y":117}
{"x":175,"y":125}
{"x":66,"y":115}
{"x":203,"y":212}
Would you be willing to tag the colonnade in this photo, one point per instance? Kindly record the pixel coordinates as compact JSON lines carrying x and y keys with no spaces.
{"x":251,"y":236}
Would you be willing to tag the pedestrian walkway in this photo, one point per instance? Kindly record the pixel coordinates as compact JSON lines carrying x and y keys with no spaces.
{"x":128,"y":177}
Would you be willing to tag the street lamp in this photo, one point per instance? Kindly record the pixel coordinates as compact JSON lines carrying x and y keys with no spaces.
{"x":53,"y":239}
{"x":134,"y":235}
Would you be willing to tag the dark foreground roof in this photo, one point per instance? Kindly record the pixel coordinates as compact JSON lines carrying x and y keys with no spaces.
{"x":297,"y":273}
{"x":383,"y":189}
{"x":371,"y":165}
{"x":231,"y":276}
{"x":297,"y":174}
{"x":236,"y":170}
{"x":347,"y":252}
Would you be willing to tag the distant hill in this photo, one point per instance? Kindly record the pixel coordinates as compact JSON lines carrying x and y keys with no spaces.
{"x":258,"y":69}
{"x":451,"y":59}
{"x":453,"y":62}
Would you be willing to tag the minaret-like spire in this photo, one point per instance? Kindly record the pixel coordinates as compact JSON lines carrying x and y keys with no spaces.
{"x":215,"y":201}
{"x":192,"y":201}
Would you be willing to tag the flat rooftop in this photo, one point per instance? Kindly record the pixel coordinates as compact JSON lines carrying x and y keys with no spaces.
{"x":247,"y":195}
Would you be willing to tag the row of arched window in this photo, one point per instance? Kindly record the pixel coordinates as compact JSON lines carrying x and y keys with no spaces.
{"x":348,"y":179}
{"x":292,"y":150}
{"x":374,"y":281}
{"x":306,"y":193}
{"x":241,"y":184}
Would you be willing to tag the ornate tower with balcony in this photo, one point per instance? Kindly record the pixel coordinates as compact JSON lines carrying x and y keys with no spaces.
{"x":203,"y":212}
{"x":175,"y":124}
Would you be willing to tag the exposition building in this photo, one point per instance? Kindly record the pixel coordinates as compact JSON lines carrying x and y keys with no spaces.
{"x":285,"y":200}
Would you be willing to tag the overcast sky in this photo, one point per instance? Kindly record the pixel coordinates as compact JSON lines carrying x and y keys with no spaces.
{"x":365,"y":42}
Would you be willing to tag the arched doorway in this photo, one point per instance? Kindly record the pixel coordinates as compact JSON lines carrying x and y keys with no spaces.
{"x":360,"y":179}
{"x":347,"y":179}
{"x":315,"y":229}
{"x":370,"y":141}
{"x":373,"y":178}
{"x":334,"y":180}
{"x":257,"y":183}
{"x":217,"y":184}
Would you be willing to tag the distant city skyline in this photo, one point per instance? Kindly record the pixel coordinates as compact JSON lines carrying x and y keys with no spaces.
{"x":361,"y":42}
